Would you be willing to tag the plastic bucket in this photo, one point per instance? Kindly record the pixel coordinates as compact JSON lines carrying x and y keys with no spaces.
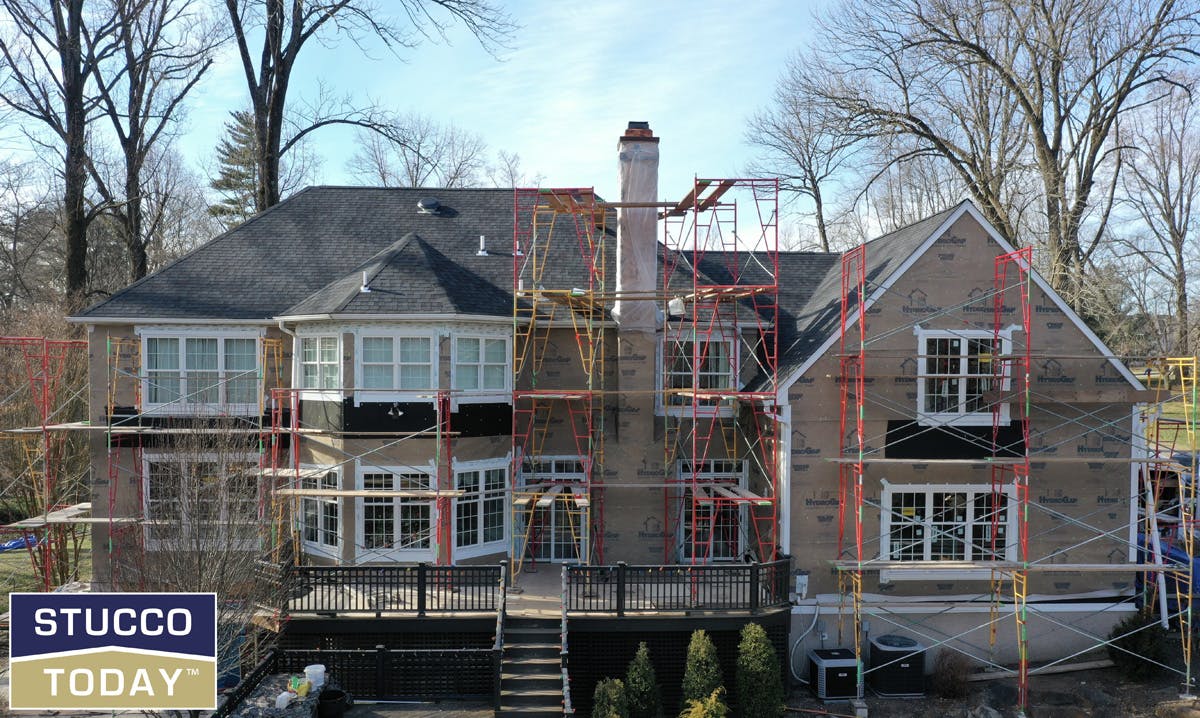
{"x":332,"y":703}
{"x":315,"y":675}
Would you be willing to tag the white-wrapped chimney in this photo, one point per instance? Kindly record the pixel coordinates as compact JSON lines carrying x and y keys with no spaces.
{"x":637,"y":246}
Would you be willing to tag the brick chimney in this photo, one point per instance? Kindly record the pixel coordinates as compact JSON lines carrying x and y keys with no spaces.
{"x":637,"y":246}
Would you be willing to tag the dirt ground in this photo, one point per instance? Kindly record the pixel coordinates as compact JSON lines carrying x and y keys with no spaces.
{"x":1100,"y":693}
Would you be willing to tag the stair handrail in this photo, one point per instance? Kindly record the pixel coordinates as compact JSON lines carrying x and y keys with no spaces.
{"x":568,"y":709}
{"x":498,"y":645}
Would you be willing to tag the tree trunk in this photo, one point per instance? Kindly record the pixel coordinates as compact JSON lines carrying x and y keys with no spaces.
{"x":75,"y":156}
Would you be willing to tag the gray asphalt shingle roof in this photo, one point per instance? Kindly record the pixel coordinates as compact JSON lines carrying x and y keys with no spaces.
{"x":306,"y":256}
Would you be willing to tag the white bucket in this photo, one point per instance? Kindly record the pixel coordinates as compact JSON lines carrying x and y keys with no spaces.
{"x":315,"y":675}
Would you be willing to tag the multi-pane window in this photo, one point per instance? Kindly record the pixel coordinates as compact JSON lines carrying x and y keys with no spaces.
{"x":320,"y":514}
{"x":480,"y":363}
{"x":710,"y":529}
{"x":958,"y":371}
{"x":946,"y":525}
{"x":479,"y":512}
{"x":394,"y":522}
{"x":196,"y":503}
{"x":562,"y":530}
{"x":699,"y":365}
{"x":213,"y":371}
{"x":404,"y":363}
{"x":320,"y":365}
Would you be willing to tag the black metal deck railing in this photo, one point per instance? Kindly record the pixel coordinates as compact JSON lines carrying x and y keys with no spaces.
{"x":623,"y":589}
{"x":416,"y":590}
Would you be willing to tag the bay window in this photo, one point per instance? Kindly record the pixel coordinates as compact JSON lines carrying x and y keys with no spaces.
{"x":320,"y":525}
{"x":395,"y":527}
{"x":481,"y":364}
{"x":320,"y":363}
{"x":480,"y":512}
{"x":397,"y":363}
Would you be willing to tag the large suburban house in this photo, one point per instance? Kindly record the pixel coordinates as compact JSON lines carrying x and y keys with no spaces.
{"x":456,"y":388}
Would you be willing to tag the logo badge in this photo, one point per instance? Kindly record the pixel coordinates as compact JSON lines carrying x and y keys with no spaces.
{"x":113,"y":651}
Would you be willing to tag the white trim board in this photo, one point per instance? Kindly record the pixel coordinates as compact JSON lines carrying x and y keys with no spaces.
{"x":965,"y":207}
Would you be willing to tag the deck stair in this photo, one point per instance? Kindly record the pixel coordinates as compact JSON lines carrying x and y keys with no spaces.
{"x":531,"y":669}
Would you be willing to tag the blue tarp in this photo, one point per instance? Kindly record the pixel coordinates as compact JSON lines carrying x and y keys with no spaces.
{"x":18,"y":544}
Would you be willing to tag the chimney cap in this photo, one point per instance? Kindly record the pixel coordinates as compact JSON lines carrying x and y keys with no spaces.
{"x":639,"y":130}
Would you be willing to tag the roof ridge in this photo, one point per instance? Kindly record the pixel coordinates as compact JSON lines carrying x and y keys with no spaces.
{"x":380,"y":259}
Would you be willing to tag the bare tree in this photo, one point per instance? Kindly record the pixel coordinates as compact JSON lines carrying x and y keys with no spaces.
{"x":164,"y":48}
{"x":1161,"y":184}
{"x":803,"y":143}
{"x":28,"y":227}
{"x":506,"y":171}
{"x":416,"y":151}
{"x":204,"y":529}
{"x":50,"y":51}
{"x":286,"y":28}
{"x":992,"y":86}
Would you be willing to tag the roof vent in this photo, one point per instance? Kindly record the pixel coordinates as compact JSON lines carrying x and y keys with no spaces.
{"x":429,"y":205}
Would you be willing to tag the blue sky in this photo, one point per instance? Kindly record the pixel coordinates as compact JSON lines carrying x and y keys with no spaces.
{"x":575,"y":75}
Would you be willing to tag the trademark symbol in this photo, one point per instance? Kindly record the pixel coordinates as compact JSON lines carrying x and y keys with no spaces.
{"x":193,"y":671}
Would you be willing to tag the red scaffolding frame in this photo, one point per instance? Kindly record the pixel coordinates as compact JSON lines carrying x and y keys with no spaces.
{"x":720,"y":294}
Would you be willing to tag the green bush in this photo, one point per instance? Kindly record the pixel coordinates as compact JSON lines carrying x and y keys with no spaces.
{"x":609,"y":700}
{"x":711,"y":706}
{"x":702,"y":675}
{"x":1146,"y":638}
{"x":641,"y":686}
{"x":759,"y":677}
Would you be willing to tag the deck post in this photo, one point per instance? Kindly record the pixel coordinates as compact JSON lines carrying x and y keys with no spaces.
{"x":621,"y":566}
{"x":422,"y":586}
{"x":754,"y":597}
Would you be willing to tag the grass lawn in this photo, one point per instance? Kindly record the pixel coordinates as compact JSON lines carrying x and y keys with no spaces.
{"x":16,"y":571}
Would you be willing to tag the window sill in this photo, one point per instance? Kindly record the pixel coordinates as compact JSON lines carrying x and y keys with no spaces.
{"x":705,"y":412}
{"x":933,"y":574}
{"x":484,"y":549}
{"x":320,"y":395}
{"x":321,"y":550}
{"x":977,"y":419}
{"x":178,"y":409}
{"x":408,"y":396}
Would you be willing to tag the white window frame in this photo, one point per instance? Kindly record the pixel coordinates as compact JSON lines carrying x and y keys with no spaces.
{"x":318,"y":547}
{"x":428,"y":394}
{"x":533,"y":478}
{"x":375,"y":555}
{"x":662,"y":403}
{"x":961,"y":418}
{"x":318,"y":394}
{"x":183,"y":406}
{"x":482,"y":395}
{"x":886,"y":520}
{"x":710,"y":477}
{"x":480,"y":500}
{"x":159,"y":543}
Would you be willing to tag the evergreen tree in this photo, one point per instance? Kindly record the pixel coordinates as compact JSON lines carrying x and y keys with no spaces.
{"x":609,"y":700}
{"x":759,"y":677}
{"x":237,"y":177}
{"x":702,"y":675}
{"x":641,"y":686}
{"x":711,"y":706}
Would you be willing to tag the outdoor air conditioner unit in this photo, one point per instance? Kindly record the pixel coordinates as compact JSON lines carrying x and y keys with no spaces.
{"x":897,"y":666}
{"x":833,"y":673}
